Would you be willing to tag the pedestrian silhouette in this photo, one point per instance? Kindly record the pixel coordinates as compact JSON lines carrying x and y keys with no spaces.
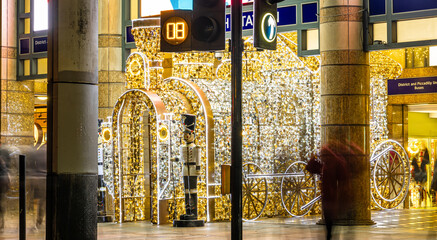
{"x":36,"y":164}
{"x":5,"y":182}
{"x":332,"y":167}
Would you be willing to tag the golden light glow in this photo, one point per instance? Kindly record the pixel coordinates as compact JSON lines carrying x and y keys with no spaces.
{"x":382,"y":68}
{"x":42,"y":98}
{"x":163,"y":133}
{"x":106,"y":134}
{"x":135,"y":67}
{"x":176,"y":30}
{"x":137,"y":71}
{"x":281,"y":112}
{"x":413,"y":146}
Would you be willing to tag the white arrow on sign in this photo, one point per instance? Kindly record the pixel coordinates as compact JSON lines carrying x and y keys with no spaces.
{"x":272,"y":25}
{"x":268,"y":23}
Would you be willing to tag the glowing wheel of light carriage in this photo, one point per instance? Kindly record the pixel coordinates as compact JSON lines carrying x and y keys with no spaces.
{"x":297,"y":191}
{"x":390,"y":169}
{"x":254,"y":192}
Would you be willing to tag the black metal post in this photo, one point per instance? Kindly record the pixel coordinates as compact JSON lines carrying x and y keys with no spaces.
{"x":236,"y":120}
{"x":366,"y":33}
{"x":51,"y":69}
{"x":22,"y":194}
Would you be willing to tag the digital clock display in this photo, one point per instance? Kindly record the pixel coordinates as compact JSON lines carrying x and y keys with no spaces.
{"x":175,"y":30}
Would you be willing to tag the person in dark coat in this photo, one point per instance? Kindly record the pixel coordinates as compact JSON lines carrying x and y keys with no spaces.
{"x":419,"y":171}
{"x":332,"y":167}
{"x":433,"y":187}
{"x":36,"y":164}
{"x":420,"y":175}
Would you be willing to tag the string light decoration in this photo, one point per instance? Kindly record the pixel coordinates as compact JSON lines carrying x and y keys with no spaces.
{"x":129,"y":157}
{"x":193,"y":104}
{"x":382,"y":68}
{"x":281,"y":120}
{"x":413,"y":146}
{"x":280,"y":110}
{"x":137,"y":150}
{"x":417,"y":57}
{"x":144,"y":71}
{"x":137,"y":71}
{"x":105,"y":144}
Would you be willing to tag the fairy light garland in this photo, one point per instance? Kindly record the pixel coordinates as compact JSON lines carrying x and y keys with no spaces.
{"x":382,"y":68}
{"x":281,"y":116}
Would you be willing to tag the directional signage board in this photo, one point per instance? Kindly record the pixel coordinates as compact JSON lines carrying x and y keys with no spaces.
{"x":40,"y":44}
{"x":286,"y":16}
{"x":412,"y":86}
{"x":264,"y":24}
{"x":269,"y":27}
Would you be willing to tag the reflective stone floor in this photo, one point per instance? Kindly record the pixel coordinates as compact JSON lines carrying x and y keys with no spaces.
{"x":390,"y":224}
{"x":394,"y":224}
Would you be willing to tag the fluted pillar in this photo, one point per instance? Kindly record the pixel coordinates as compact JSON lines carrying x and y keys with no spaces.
{"x":345,"y":93}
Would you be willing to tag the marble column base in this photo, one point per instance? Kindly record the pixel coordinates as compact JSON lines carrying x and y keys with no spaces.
{"x":72,"y":206}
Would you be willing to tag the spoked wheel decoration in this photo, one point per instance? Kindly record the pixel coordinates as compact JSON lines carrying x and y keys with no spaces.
{"x":254,"y":192}
{"x":297,"y":191}
{"x":390,"y":174}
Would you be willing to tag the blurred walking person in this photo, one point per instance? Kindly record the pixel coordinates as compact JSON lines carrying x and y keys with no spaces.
{"x":332,"y":167}
{"x":37,"y":172}
{"x":5,"y":182}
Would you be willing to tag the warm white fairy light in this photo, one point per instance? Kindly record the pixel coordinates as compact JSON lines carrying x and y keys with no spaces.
{"x":281,"y":113}
{"x":382,"y":68}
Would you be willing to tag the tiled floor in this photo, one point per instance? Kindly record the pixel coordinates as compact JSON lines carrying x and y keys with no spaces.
{"x":394,"y":224}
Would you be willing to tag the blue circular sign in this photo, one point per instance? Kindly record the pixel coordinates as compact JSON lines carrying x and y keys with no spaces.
{"x":269,"y":27}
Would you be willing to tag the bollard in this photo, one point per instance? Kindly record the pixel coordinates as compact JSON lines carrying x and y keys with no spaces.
{"x":22,"y":190}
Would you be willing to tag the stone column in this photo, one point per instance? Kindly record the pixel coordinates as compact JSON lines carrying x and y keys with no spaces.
{"x":345,"y":93}
{"x":17,"y":98}
{"x":397,"y":121}
{"x":72,"y":120}
{"x":111,"y":74}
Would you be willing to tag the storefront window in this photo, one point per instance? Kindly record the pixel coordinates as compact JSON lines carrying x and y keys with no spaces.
{"x":422,"y":139}
{"x":433,"y":56}
{"x":417,"y":57}
{"x":41,"y":15}
{"x":421,"y":57}
{"x":152,"y":7}
{"x":228,"y":2}
{"x":32,"y":39}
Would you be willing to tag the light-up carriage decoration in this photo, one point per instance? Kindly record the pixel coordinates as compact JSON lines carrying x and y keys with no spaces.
{"x":390,"y":174}
{"x":298,"y":188}
{"x":280,"y":121}
{"x":146,"y":181}
{"x":147,"y":134}
{"x":390,"y":178}
{"x":146,"y":137}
